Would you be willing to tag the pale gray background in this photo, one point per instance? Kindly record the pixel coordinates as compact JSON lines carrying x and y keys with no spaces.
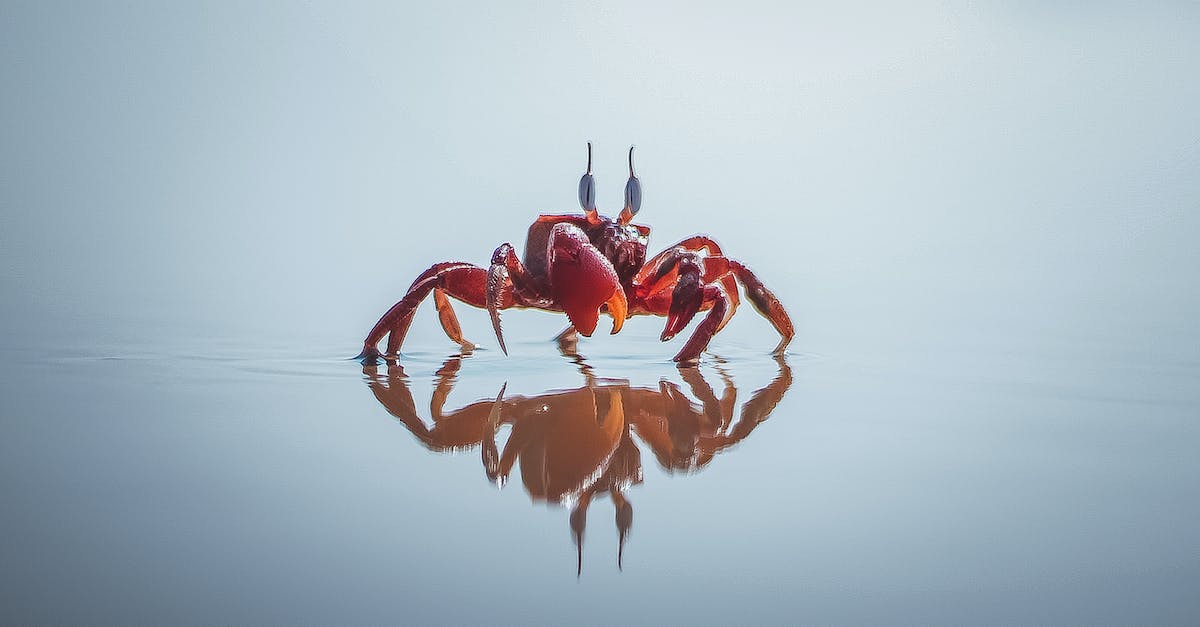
{"x":983,"y":219}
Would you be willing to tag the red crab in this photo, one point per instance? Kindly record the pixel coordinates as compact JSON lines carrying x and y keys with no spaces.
{"x":587,"y":264}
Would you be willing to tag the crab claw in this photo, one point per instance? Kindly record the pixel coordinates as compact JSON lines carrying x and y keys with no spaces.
{"x":496,"y":278}
{"x":686,"y":298}
{"x":582,"y":280}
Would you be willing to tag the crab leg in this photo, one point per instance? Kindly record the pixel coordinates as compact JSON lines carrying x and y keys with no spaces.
{"x":695,"y":262}
{"x":695,"y":242}
{"x":766,"y":303}
{"x":449,"y":320}
{"x":460,"y":280}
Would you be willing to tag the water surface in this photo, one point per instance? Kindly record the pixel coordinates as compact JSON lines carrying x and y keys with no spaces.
{"x":208,"y":484}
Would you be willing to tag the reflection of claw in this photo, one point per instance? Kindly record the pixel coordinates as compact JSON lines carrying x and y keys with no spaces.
{"x":491,"y":455}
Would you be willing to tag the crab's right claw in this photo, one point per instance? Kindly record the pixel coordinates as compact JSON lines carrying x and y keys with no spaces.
{"x":618,"y":308}
{"x":582,"y":280}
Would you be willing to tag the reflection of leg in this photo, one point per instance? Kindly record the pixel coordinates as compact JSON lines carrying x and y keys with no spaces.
{"x":396,"y":398}
{"x":758,"y":408}
{"x":578,"y":522}
{"x":458,"y":429}
{"x":713,"y":409}
{"x":728,"y":396}
{"x":447,"y":375}
{"x":568,"y":341}
{"x":624,"y":521}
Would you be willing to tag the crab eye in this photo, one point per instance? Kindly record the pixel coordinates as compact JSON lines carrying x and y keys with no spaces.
{"x":587,"y":186}
{"x":633,"y":190}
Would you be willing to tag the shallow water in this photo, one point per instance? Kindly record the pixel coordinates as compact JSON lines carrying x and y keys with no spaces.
{"x":202,"y":484}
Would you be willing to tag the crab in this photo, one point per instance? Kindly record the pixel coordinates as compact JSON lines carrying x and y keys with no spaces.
{"x":585,"y":265}
{"x":570,"y":446}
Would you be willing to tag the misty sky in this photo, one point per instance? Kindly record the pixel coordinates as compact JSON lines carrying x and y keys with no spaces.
{"x":283,"y":170}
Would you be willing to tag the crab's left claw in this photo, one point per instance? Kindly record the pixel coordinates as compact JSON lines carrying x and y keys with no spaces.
{"x":582,"y":280}
{"x":686,"y":298}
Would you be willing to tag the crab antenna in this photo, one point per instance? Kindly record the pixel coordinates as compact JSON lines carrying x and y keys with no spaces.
{"x":630,"y":159}
{"x":589,"y":168}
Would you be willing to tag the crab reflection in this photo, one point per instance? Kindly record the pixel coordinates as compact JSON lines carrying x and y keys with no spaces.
{"x":575,"y":445}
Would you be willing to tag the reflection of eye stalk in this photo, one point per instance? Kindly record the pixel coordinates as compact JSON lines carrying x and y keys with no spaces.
{"x":573,"y":445}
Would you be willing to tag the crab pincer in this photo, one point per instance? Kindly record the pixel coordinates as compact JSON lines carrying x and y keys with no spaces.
{"x":582,"y":280}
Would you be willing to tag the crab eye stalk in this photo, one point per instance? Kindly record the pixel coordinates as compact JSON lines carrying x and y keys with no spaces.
{"x":587,"y":189}
{"x":633,"y":193}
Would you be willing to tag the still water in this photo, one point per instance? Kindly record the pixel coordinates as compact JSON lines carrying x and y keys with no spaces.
{"x":231,"y":482}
